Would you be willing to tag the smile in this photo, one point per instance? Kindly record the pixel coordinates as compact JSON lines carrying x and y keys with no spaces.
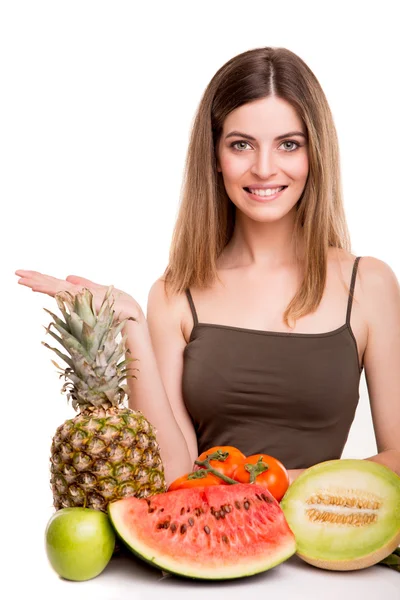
{"x":261,"y":194}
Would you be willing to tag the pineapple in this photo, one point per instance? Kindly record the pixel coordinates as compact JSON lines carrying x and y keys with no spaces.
{"x":107,"y":451}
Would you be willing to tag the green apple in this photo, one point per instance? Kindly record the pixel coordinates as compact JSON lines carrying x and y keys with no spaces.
{"x":79,"y":542}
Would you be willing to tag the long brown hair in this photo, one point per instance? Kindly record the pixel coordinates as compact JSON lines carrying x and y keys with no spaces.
{"x":206,"y":217}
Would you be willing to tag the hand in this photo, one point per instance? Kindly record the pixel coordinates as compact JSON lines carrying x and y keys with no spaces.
{"x":124,"y":305}
{"x":293,"y":474}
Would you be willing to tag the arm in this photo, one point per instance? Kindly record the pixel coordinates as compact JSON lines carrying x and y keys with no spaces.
{"x":161,"y":404}
{"x":380,"y":299}
{"x":158,"y":343}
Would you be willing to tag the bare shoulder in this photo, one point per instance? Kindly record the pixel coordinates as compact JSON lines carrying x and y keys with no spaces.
{"x":379,"y":285}
{"x":162,"y":304}
{"x":374,"y":276}
{"x":340,"y":265}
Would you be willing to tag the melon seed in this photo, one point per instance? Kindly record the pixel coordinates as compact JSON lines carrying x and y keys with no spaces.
{"x":357,"y":519}
{"x":354,"y":499}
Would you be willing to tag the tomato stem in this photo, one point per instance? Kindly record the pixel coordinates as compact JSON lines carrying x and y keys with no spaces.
{"x":199,"y":474}
{"x":206,"y":464}
{"x":256,"y":469}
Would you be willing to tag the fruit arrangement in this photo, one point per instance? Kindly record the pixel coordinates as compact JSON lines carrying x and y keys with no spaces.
{"x":232,"y":516}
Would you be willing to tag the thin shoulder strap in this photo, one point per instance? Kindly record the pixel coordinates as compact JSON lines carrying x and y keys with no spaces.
{"x":352,"y":285}
{"x":189,"y":296}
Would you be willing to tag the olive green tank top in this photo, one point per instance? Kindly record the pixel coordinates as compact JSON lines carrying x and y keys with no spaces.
{"x":290,"y":395}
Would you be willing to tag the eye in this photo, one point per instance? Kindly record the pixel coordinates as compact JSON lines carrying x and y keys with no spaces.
{"x":235,"y":145}
{"x":291,"y":142}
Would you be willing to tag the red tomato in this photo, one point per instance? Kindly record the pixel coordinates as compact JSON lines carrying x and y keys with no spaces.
{"x":275,"y":478}
{"x":226,"y":459}
{"x":195,"y":479}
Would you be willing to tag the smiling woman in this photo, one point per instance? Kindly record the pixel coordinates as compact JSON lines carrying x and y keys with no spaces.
{"x":258,"y":330}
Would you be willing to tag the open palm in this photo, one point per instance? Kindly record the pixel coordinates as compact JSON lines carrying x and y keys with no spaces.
{"x":124,"y":306}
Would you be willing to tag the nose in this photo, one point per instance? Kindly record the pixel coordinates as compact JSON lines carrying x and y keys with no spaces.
{"x":264,"y":164}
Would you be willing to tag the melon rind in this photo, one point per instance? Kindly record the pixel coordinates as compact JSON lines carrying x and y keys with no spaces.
{"x":337,"y":547}
{"x":222,"y":567}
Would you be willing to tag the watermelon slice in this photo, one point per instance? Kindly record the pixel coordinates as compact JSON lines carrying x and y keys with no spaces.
{"x":216,"y":532}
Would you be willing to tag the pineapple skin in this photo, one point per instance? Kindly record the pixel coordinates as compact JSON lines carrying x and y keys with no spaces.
{"x":102,"y":455}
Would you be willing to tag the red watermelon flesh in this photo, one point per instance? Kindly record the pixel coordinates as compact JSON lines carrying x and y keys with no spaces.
{"x":216,"y":532}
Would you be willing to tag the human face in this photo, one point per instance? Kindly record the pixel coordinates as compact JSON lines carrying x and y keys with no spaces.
{"x":257,"y":158}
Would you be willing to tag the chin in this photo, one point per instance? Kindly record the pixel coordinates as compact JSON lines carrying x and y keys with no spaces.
{"x":269,"y":215}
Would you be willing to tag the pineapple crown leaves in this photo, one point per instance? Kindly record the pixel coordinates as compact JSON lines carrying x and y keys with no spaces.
{"x":94,"y":373}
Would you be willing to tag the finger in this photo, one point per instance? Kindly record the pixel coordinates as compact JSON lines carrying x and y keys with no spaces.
{"x":81,"y":281}
{"x":37,"y":287}
{"x":47,"y":285}
{"x":24,"y":273}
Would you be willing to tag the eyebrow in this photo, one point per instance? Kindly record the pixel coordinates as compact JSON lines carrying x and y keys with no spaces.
{"x":249,"y":137}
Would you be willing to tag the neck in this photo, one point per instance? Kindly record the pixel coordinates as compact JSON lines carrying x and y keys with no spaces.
{"x":264,"y":245}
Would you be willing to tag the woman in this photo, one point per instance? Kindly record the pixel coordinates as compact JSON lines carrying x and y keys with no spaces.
{"x":258,"y":331}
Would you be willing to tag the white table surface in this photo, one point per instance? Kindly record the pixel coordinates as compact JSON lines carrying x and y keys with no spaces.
{"x":127,"y":577}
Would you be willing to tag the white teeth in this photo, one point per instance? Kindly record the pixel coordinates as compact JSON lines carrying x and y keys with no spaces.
{"x":268,"y":192}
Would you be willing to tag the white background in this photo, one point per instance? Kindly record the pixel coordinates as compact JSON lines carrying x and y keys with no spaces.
{"x":96,"y":105}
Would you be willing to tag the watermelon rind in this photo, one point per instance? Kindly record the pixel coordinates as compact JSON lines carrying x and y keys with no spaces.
{"x":220,"y":567}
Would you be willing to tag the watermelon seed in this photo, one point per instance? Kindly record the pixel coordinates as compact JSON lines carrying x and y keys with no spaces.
{"x":247,"y":505}
{"x":197,"y":512}
{"x":173,"y":527}
{"x":182,"y":510}
{"x":183,"y":528}
{"x":191,"y":522}
{"x":265,"y":498}
{"x":161,"y":509}
{"x":151,"y":509}
{"x":258,"y":496}
{"x":227,"y":508}
{"x":207,"y":529}
{"x":237,"y":504}
{"x":163,"y":525}
{"x":188,"y":509}
{"x":225,"y":539}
